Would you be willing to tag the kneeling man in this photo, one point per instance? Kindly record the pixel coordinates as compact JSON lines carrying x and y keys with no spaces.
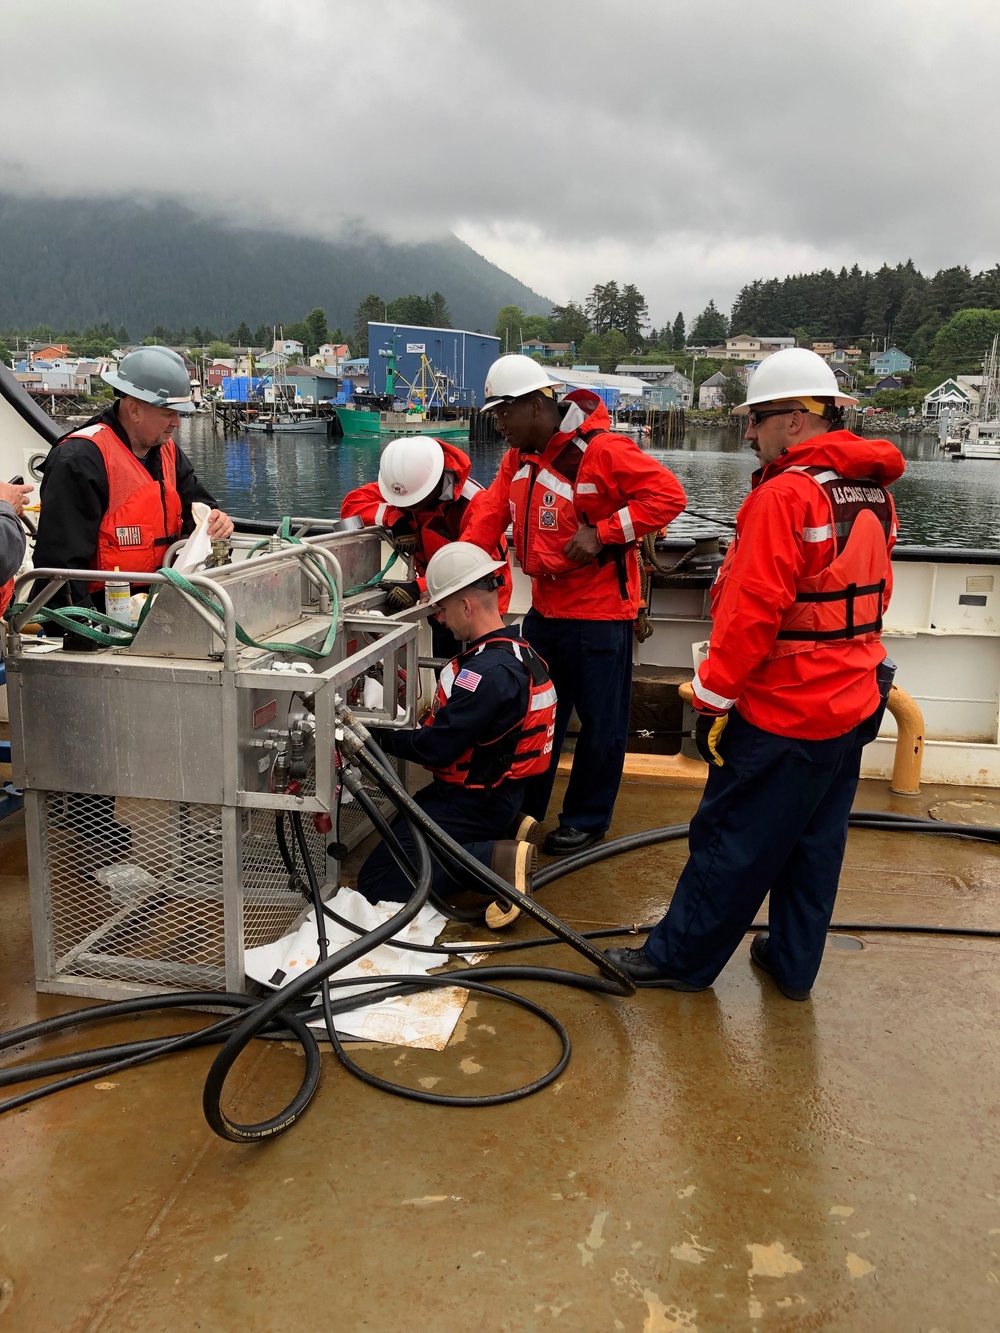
{"x":491,"y":726}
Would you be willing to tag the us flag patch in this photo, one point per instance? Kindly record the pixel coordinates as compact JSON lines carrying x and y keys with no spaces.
{"x":468,"y":680}
{"x":128,"y":536}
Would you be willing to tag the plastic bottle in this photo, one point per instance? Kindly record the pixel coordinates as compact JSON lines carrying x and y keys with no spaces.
{"x":117,"y":600}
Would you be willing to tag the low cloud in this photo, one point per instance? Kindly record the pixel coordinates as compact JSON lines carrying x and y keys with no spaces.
{"x":685,"y":148}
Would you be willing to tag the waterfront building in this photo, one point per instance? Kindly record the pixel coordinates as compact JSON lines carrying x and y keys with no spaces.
{"x":457,"y":359}
{"x":960,"y":394}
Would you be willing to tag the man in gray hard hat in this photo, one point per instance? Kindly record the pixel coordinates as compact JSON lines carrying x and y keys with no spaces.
{"x":117,"y":492}
{"x":490,"y":727}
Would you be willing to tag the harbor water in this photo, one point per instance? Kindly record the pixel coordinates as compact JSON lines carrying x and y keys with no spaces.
{"x":940,"y":502}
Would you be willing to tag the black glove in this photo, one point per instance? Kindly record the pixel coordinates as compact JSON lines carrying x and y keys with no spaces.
{"x":401,"y":596}
{"x":707,"y":735}
{"x":404,"y":542}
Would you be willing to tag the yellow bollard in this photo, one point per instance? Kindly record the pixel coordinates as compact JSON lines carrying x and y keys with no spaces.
{"x":905,"y":780}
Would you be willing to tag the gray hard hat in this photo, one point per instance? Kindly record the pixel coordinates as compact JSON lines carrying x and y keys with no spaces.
{"x":154,"y":375}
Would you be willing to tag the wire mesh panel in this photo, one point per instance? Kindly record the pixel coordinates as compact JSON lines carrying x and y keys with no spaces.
{"x":136,"y":889}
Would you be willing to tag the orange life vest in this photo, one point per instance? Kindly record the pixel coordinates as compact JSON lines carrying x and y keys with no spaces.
{"x":521,"y":752}
{"x":844,"y":601}
{"x":6,"y":595}
{"x":545,"y":500}
{"x":144,"y":516}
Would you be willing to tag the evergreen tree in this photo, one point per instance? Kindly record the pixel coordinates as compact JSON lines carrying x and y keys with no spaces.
{"x":121,"y":337}
{"x":678,"y":340}
{"x":410,"y":309}
{"x":569,"y":323}
{"x":439,"y":314}
{"x":317,"y":332}
{"x":242,"y":336}
{"x":263,"y":336}
{"x":604,"y":307}
{"x":710,"y":327}
{"x":633,"y":315}
{"x":371,"y":309}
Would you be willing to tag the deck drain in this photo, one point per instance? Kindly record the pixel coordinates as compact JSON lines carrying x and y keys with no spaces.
{"x":985,"y":813}
{"x":845,"y":942}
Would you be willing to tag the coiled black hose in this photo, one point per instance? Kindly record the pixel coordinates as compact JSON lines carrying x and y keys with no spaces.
{"x":277,"y":1014}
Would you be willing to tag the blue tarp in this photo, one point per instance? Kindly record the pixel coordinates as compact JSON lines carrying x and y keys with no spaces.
{"x":241,"y":388}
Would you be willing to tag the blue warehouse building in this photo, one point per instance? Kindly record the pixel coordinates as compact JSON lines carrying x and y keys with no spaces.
{"x":456,"y":359}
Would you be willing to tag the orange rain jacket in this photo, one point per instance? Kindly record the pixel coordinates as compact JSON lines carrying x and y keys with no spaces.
{"x":434,"y":527}
{"x":787,"y":549}
{"x":586,"y":474}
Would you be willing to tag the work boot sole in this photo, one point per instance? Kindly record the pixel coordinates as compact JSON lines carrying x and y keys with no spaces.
{"x":527,"y":829}
{"x":497,"y":914}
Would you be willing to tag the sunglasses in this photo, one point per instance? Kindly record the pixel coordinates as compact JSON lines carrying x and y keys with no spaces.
{"x":755,"y":418}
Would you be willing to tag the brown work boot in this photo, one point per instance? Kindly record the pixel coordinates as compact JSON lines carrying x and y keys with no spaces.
{"x":525,"y":828}
{"x":515,"y":862}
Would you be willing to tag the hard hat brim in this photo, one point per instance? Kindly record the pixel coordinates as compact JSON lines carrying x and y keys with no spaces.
{"x":838,"y":399}
{"x":457,"y":585}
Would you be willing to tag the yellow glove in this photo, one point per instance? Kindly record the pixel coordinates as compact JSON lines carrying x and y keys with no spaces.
{"x":707,"y":735}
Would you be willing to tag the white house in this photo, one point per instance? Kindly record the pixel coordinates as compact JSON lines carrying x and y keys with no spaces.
{"x":748,"y":347}
{"x":960,"y":394}
{"x":288,"y":348}
{"x":710,"y":395}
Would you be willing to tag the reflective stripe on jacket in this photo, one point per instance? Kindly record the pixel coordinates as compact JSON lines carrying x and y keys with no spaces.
{"x":589,"y":475}
{"x":144,"y":516}
{"x":434,"y":527}
{"x":843,"y":601}
{"x":526,"y":748}
{"x":785,"y":544}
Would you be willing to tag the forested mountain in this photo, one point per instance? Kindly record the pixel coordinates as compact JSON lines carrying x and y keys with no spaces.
{"x":899,"y":304}
{"x":69,"y":263}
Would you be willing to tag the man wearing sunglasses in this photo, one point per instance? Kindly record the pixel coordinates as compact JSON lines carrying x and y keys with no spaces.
{"x":794,"y":686}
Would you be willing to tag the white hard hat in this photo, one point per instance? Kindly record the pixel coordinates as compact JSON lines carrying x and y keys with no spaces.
{"x":455,"y":566}
{"x":512,"y":377}
{"x":409,"y":470}
{"x":794,"y":372}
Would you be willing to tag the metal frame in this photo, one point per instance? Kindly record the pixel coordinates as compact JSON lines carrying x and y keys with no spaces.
{"x":238,"y":671}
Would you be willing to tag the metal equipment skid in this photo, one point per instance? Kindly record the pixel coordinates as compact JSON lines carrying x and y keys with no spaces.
{"x":153,"y":774}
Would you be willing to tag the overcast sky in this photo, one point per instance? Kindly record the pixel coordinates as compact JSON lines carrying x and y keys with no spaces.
{"x":686,"y":147}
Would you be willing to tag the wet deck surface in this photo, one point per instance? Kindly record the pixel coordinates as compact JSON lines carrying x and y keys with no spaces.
{"x":726,"y":1160}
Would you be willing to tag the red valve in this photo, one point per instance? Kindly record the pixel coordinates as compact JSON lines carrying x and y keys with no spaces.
{"x":322,"y":822}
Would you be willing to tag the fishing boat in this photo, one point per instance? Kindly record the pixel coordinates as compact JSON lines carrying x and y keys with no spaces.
{"x":288,"y":421}
{"x":721,"y":1160}
{"x":358,"y":423}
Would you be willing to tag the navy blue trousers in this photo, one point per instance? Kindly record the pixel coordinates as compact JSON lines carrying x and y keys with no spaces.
{"x":773,"y":819}
{"x":590,"y":662}
{"x":473,"y":818}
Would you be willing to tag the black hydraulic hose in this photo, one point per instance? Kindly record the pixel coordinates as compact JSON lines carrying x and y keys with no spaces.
{"x":279,"y":1016}
{"x":612,"y":980}
{"x":261,"y":1016}
{"x":410,"y":983}
{"x":112,"y":1059}
{"x":384,"y":828}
